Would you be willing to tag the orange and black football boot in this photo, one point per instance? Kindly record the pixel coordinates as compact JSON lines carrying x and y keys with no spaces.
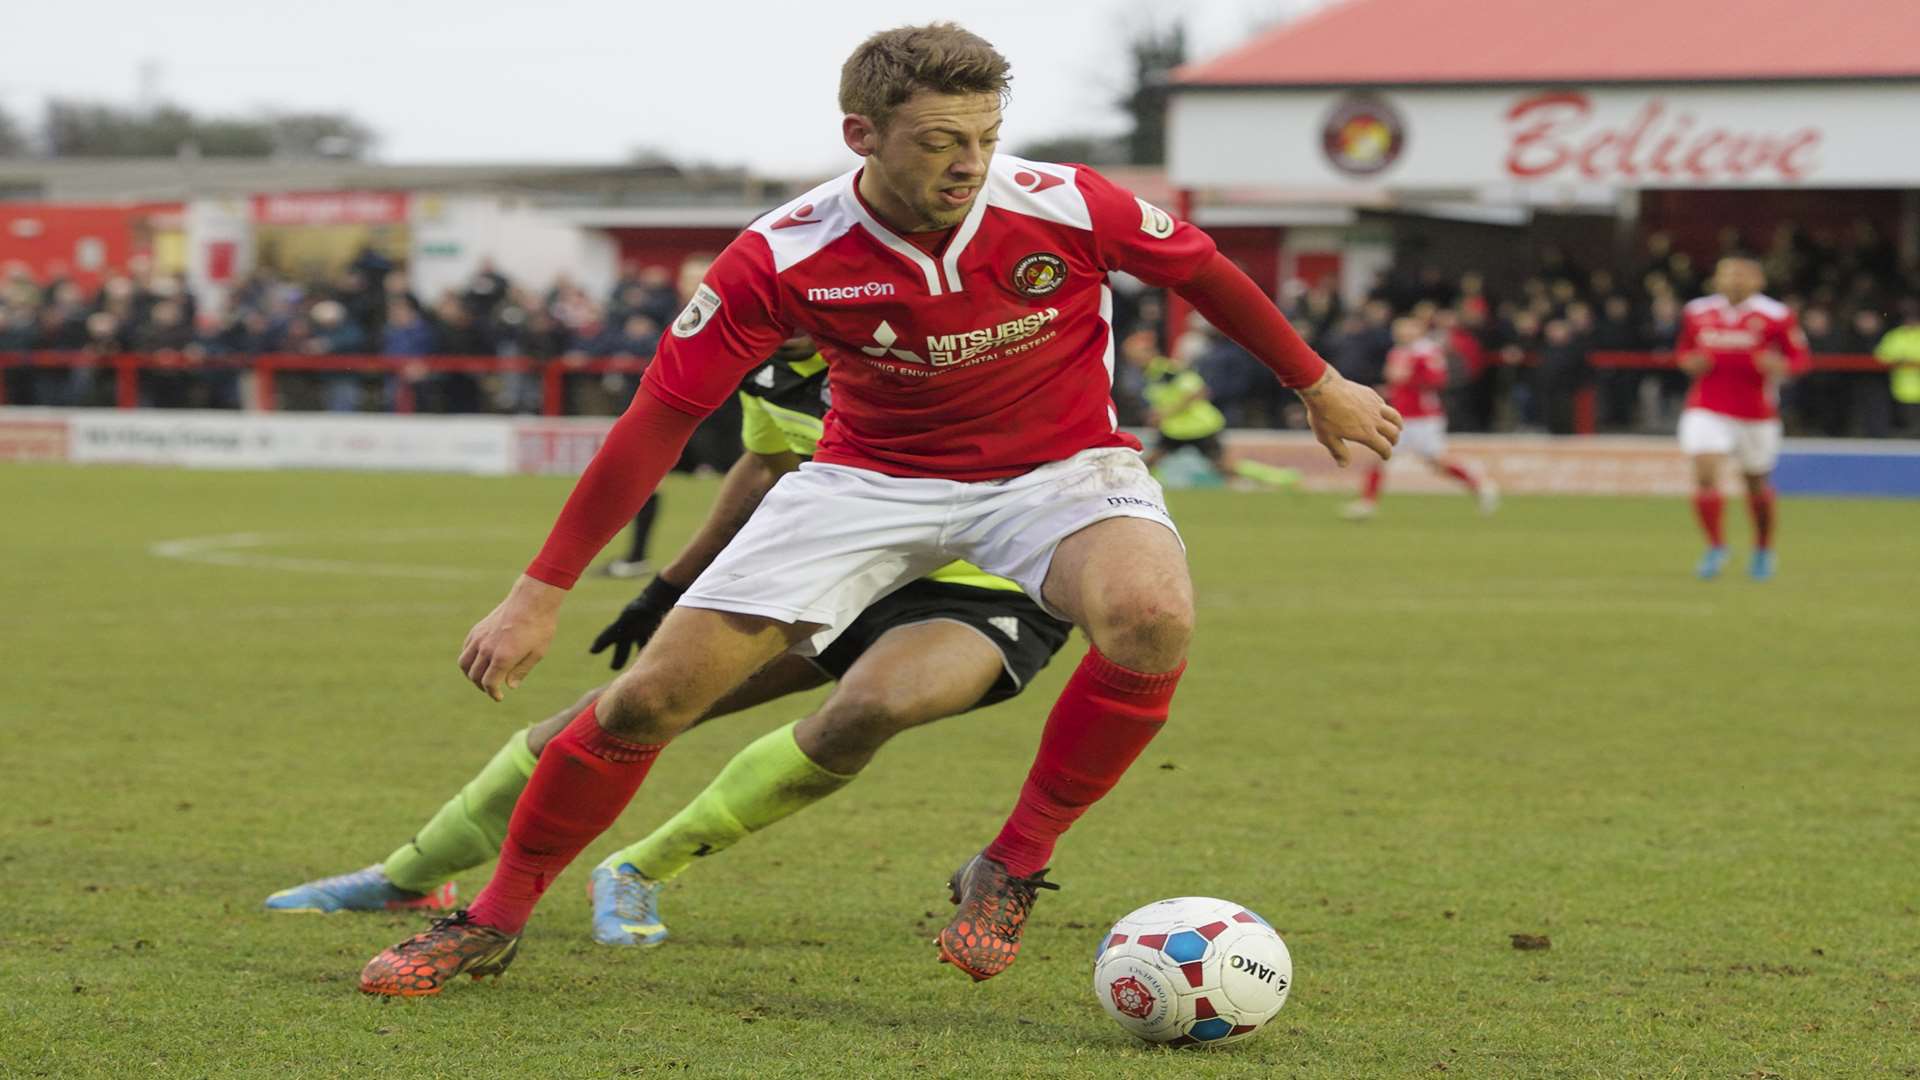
{"x":424,"y":963}
{"x":984,"y":936}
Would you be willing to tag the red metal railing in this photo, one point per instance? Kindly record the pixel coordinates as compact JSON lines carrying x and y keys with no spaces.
{"x":127,"y":367}
{"x":1585,"y":412}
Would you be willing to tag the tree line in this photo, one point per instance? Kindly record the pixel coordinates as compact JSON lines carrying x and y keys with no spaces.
{"x":92,"y":129}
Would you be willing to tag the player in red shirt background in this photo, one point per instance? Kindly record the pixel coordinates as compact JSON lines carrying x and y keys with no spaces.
{"x":961,"y":302}
{"x":1416,"y":374}
{"x":1739,"y":346}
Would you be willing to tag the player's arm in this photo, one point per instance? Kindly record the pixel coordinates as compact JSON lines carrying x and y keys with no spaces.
{"x":730,"y":325}
{"x":767,"y":457}
{"x":745,"y":484}
{"x":1787,"y":354}
{"x":1131,"y":234}
{"x":1687,"y":353}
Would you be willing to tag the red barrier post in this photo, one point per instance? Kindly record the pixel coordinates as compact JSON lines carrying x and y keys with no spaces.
{"x":126,"y":379}
{"x":1584,"y":422}
{"x":553,"y":387}
{"x":263,"y":397}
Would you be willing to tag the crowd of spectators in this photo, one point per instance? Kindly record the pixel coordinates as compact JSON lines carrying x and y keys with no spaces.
{"x":1521,"y":351}
{"x":371,"y":308}
{"x":1521,"y":355}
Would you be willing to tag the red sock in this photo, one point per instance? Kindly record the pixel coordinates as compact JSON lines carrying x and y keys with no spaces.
{"x":1461,"y":474}
{"x":1707,"y":504}
{"x":1760,"y":505}
{"x":1375,"y":477}
{"x":1104,"y":718}
{"x":584,"y":779}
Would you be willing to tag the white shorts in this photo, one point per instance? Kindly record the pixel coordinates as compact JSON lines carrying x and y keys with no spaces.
{"x":1754,"y":444}
{"x":1424,"y":435}
{"x":829,"y":540}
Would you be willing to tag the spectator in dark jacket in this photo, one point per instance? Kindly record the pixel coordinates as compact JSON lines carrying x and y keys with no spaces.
{"x":1615,"y":331}
{"x":334,"y":334}
{"x":1564,"y":374}
{"x":1821,"y":400}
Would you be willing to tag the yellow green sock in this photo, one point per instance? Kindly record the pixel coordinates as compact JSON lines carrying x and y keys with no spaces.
{"x":1271,"y":475}
{"x":768,"y":780}
{"x":469,"y":829}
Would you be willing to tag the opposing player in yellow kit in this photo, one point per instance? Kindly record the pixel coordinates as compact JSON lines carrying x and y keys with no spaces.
{"x":1181,"y":409}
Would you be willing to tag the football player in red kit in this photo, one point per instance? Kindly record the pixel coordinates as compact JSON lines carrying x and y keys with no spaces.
{"x":1739,"y":346}
{"x":1416,"y":373}
{"x":960,"y":299}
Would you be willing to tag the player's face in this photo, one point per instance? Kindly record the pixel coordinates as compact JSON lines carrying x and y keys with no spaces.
{"x":929,"y":161}
{"x":1738,"y":279}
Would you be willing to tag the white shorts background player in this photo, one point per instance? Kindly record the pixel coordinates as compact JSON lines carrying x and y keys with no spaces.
{"x":971,"y":417}
{"x":1753,"y":446}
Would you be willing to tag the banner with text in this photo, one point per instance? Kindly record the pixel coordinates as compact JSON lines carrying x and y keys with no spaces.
{"x":1615,"y":137}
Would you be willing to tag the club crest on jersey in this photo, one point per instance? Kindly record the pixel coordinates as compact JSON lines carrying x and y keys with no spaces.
{"x":698,"y":313}
{"x":1154,"y":221}
{"x":1039,"y":274}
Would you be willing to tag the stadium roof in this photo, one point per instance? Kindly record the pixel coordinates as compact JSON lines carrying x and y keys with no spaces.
{"x":1496,"y":42}
{"x":94,"y":180}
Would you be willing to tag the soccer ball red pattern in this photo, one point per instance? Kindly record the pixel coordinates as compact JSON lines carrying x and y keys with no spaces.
{"x":1192,"y":971}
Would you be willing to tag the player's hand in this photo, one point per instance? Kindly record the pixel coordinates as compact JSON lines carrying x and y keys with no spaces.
{"x":1772,"y":364}
{"x":1694,"y":363}
{"x":503,"y":647}
{"x":1340,"y":412}
{"x":631,"y":629}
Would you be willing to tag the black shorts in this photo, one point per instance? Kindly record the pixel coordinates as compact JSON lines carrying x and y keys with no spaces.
{"x":1026,"y":636}
{"x":1209,"y":446}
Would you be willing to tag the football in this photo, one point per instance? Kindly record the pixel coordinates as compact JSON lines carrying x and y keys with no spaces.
{"x":1192,"y":971}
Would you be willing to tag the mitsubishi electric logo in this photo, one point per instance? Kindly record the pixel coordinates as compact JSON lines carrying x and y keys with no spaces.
{"x":885,"y":336}
{"x":968,"y":346}
{"x":851,"y":292}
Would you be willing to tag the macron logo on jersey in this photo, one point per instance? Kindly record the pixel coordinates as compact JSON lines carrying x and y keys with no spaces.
{"x":799,"y":216}
{"x":1035,"y":182}
{"x":850,"y":292}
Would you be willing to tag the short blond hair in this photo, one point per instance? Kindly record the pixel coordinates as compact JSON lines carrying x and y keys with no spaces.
{"x":944,"y":57}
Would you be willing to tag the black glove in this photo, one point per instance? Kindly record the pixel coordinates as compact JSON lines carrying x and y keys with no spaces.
{"x":637,"y":621}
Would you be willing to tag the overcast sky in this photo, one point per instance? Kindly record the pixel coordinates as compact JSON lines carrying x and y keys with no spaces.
{"x":573,"y":80}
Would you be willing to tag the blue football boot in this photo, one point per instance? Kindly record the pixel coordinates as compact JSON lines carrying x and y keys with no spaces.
{"x":362,"y":890}
{"x":1714,"y":561}
{"x":1761,"y":569}
{"x":626,"y":906}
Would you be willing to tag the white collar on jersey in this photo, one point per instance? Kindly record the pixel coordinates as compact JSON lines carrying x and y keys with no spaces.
{"x":1760,"y":302}
{"x":941,"y":277}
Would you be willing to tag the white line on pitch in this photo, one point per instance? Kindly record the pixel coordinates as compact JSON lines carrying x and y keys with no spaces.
{"x":237,"y":549}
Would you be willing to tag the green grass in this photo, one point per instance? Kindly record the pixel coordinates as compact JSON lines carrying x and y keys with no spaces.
{"x":1400,"y":741}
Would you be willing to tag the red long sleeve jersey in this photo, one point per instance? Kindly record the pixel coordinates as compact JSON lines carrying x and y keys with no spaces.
{"x":1733,"y":336}
{"x":983,"y":360}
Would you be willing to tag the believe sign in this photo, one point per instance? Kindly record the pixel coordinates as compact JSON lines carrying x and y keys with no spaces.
{"x":1804,"y":135}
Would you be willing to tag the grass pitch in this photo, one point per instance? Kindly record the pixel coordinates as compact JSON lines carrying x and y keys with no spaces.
{"x":1402,"y":742}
